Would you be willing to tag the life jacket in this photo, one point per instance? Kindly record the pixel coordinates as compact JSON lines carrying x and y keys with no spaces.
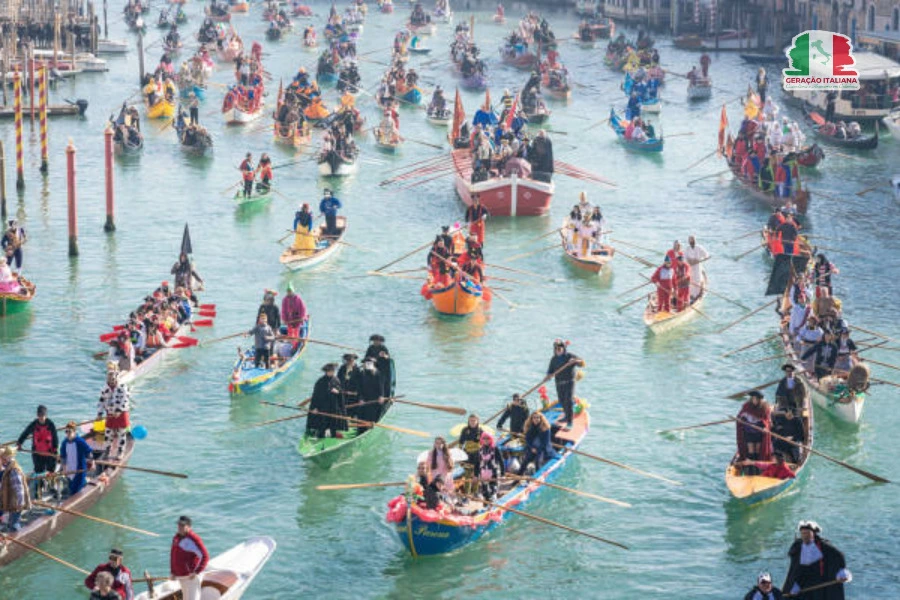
{"x":43,"y":438}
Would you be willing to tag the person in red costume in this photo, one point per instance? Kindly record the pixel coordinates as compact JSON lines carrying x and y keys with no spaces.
{"x":682,"y":283}
{"x":663,"y":277}
{"x":752,"y":443}
{"x":777,"y":470}
{"x":188,"y":559}
{"x":475,"y":216}
{"x":119,"y":572}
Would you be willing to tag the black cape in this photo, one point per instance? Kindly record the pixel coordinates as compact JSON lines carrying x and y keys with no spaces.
{"x":824,"y":570}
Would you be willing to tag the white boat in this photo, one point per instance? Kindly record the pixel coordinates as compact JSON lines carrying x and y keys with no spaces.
{"x":892,"y":122}
{"x":150,"y":363}
{"x":236,"y":116}
{"x":702,"y":90}
{"x":661,"y":322}
{"x":228,"y":575}
{"x":112,"y":46}
{"x":326,"y":247}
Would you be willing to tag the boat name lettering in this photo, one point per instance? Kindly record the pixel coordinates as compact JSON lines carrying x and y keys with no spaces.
{"x":424,"y":532}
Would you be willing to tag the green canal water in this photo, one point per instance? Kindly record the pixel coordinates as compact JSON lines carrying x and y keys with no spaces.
{"x":688,"y":541}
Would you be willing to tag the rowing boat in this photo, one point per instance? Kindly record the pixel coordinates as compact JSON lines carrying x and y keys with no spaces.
{"x":699,"y":90}
{"x":776,"y":247}
{"x":257,"y":196}
{"x":249,"y":379}
{"x":40,"y":524}
{"x":332,"y":164}
{"x":435,"y":117}
{"x":800,"y":198}
{"x":325,"y":452}
{"x":292,"y":134}
{"x":660,"y":322}
{"x":227,"y":576}
{"x":426,"y":532}
{"x":326,"y":247}
{"x":753,"y":489}
{"x":841,"y":394}
{"x":822,"y":129}
{"x":653,"y":144}
{"x":385,"y":142}
{"x":461,"y":297}
{"x":163,"y":109}
{"x":12,"y":303}
{"x":600,"y":255}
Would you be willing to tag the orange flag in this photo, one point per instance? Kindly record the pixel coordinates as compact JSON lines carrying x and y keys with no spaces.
{"x":512,"y":113}
{"x":723,"y":125}
{"x":459,"y":115}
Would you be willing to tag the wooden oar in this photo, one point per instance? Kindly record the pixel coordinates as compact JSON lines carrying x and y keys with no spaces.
{"x":7,"y":538}
{"x":745,"y":235}
{"x":545,"y":521}
{"x":332,"y":344}
{"x":627,"y":304}
{"x":273,"y":421}
{"x":875,"y":333}
{"x":372,"y":424}
{"x":634,"y":289}
{"x":749,"y":252}
{"x":693,"y":426}
{"x":520,"y":271}
{"x":645,"y":249}
{"x":570,"y":490}
{"x":856,"y":470}
{"x":526,"y":254}
{"x":540,"y":237}
{"x":756,"y":343}
{"x":813,"y":588}
{"x":449,"y":409}
{"x":91,"y":518}
{"x":742,"y":393}
{"x":493,"y":290}
{"x":760,"y":360}
{"x":109,"y":463}
{"x":700,"y":161}
{"x":720,"y":173}
{"x":883,"y":364}
{"x":407,"y":255}
{"x":534,"y":387}
{"x":884,"y":382}
{"x":222,"y":339}
{"x":726,"y":298}
{"x":358,"y":486}
{"x":637,"y":259}
{"x":620,"y":465}
{"x":671,"y":135}
{"x":748,"y":315}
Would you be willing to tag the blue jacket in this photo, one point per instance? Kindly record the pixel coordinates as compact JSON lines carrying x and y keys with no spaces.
{"x":329,"y":206}
{"x":540,"y":442}
{"x":300,"y":217}
{"x":84,"y":451}
{"x":483,"y":117}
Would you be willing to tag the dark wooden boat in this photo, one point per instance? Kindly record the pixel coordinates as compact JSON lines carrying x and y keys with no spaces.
{"x":822,"y":129}
{"x":41,"y":524}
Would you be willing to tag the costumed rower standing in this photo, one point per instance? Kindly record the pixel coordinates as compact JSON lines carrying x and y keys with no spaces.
{"x":382,"y":356}
{"x":293,"y":311}
{"x":372,"y":393}
{"x":13,"y":239}
{"x":248,"y":174}
{"x":188,"y":559}
{"x":75,"y":454}
{"x":115,"y":401}
{"x":43,"y":440}
{"x":329,"y":206}
{"x":815,"y":560}
{"x":326,"y":397}
{"x":695,"y":254}
{"x":565,"y":379}
{"x":663,"y":277}
{"x":475,"y":217}
{"x":304,"y":238}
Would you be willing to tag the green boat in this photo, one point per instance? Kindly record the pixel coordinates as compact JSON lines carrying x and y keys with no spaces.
{"x":325,"y":452}
{"x":257,"y":196}
{"x":12,"y":303}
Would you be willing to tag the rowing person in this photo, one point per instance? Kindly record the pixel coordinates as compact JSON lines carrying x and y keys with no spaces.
{"x":562,"y":368}
{"x":682,"y":283}
{"x":13,"y":239}
{"x":44,"y":442}
{"x":664,"y":277}
{"x":350,"y":376}
{"x":695,"y":254}
{"x":329,"y":206}
{"x":475,"y":217}
{"x":815,"y":561}
{"x":114,"y":403}
{"x":293,"y":312}
{"x":304,"y":238}
{"x":378,"y":351}
{"x":517,"y":412}
{"x":264,"y":171}
{"x":263,"y":338}
{"x":248,"y":174}
{"x":327,"y":397}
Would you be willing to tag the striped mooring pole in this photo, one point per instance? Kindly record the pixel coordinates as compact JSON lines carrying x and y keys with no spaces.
{"x":73,"y":206}
{"x":17,"y":109}
{"x":42,"y":96}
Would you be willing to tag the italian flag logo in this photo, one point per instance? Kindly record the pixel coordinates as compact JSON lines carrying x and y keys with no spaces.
{"x":821,"y":60}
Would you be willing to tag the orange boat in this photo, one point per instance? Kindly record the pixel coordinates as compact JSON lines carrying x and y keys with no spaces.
{"x":240,"y":7}
{"x":458,"y":298}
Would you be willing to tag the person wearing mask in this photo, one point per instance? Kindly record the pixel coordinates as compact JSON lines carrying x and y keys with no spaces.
{"x":293,"y":311}
{"x":115,"y":403}
{"x":120,"y":576}
{"x":752,"y":443}
{"x":327,"y":397}
{"x":791,"y":392}
{"x":188,"y":559}
{"x":382,"y":356}
{"x":562,"y":369}
{"x":517,"y":412}
{"x":786,"y":425}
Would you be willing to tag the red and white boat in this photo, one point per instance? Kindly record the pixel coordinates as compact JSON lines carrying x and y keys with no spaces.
{"x":511,"y":196}
{"x":239,"y":108}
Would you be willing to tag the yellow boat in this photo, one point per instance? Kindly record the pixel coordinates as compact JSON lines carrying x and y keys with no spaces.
{"x":161,"y":110}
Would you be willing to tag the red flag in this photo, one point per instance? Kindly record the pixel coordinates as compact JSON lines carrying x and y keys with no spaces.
{"x":459,"y":115}
{"x":512,"y":112}
{"x":487,"y":99}
{"x":723,"y":124}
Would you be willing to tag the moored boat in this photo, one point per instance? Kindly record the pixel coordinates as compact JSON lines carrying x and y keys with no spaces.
{"x":325,"y":247}
{"x":227,"y":576}
{"x":246,"y":378}
{"x":425,"y":532}
{"x":40,"y":524}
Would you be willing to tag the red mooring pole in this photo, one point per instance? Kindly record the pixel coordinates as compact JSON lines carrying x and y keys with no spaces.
{"x":73,"y":206}
{"x":110,"y":193}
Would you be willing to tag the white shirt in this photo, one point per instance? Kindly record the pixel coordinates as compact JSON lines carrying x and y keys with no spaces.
{"x":809,"y":553}
{"x":71,"y":456}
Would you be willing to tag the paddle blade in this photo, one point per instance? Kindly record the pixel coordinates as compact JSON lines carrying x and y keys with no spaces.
{"x":203,"y":323}
{"x":185,"y":341}
{"x":207,"y":313}
{"x":108,"y":337}
{"x":207,"y":307}
{"x":118,"y":327}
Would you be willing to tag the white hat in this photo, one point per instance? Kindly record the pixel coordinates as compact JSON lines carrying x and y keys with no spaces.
{"x":811,"y":525}
{"x":764,"y":576}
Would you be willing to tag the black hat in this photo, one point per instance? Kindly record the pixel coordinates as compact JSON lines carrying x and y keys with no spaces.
{"x":329,"y":367}
{"x":350,"y":356}
{"x":184,"y":520}
{"x":755,"y":394}
{"x":41,"y":410}
{"x":788,"y":367}
{"x":445,"y":228}
{"x":116,"y":552}
{"x":376,"y":337}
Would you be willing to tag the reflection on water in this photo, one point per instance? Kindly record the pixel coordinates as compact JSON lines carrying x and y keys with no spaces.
{"x":16,"y":327}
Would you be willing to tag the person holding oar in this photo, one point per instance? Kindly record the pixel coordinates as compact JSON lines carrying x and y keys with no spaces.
{"x":564,"y":378}
{"x":815,"y":563}
{"x":120,"y":576}
{"x":327,"y":397}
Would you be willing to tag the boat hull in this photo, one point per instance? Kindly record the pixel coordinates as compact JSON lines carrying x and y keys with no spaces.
{"x":296,"y":262}
{"x":161,"y":110}
{"x":659,"y":323}
{"x":236,"y":116}
{"x":457,"y":299}
{"x":251,"y":380}
{"x":503,"y":197}
{"x":342,"y":169}
{"x":699,"y":92}
{"x":11,"y":304}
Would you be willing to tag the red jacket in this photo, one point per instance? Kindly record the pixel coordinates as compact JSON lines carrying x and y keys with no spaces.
{"x":121,"y":580}
{"x":661,"y":279}
{"x":188,"y":555}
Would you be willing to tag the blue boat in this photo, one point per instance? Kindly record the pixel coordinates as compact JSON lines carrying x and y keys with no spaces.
{"x":653,"y":144}
{"x":426,"y":532}
{"x":648,"y":94}
{"x":249,"y":379}
{"x":412,"y":96}
{"x":199,"y":92}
